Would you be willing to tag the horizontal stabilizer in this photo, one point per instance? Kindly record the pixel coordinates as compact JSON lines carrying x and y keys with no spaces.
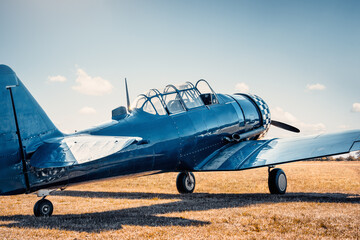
{"x":80,"y":149}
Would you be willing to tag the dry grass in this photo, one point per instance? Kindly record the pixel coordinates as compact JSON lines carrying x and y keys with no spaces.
{"x":323,"y":201}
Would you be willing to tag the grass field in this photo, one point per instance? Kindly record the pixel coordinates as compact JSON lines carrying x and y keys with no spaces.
{"x":322,"y":201}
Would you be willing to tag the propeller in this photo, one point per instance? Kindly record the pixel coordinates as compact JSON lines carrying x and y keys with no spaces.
{"x":284,"y":126}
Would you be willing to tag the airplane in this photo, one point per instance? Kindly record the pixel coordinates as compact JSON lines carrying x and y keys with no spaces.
{"x":186,"y":128}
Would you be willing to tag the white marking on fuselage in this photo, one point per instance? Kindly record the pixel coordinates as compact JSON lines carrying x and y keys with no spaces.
{"x":86,"y":148}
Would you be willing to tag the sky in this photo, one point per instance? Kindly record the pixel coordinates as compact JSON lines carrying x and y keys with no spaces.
{"x":301,"y":57}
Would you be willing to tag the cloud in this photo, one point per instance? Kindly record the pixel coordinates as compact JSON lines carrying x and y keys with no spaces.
{"x":355,"y":107}
{"x":94,"y":86}
{"x":87,"y":110}
{"x":57,"y":78}
{"x":242,"y":87}
{"x":316,"y":86}
{"x":279,"y":114}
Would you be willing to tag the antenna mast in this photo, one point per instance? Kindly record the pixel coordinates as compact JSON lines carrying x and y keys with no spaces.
{"x":127,"y":96}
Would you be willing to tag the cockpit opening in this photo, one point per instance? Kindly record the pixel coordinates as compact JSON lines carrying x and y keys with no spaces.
{"x":207,"y":94}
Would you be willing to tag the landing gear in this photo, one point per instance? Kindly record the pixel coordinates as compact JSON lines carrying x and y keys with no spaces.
{"x":43,"y":208}
{"x":277,"y":181}
{"x":185,"y":182}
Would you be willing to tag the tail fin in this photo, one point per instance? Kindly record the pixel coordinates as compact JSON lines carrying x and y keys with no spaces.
{"x":18,"y":104}
{"x":33,"y":123}
{"x":24,"y":127}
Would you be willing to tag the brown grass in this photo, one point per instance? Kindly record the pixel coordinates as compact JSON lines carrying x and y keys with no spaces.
{"x":323,"y":201}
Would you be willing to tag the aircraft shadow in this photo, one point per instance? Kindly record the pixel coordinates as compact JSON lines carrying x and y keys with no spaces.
{"x":148,"y":215}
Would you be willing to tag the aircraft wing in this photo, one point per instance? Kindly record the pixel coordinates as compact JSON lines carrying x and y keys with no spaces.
{"x":72,"y":150}
{"x":252,"y":154}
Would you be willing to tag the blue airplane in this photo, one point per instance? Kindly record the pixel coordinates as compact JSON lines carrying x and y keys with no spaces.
{"x":187,"y":128}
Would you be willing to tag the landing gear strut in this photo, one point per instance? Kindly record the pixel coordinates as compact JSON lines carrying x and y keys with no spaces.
{"x":185,"y":182}
{"x":277,"y":181}
{"x":43,"y":208}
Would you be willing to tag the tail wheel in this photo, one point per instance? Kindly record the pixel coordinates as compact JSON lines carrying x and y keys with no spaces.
{"x":277,"y":181}
{"x":43,"y":208}
{"x":185,"y":182}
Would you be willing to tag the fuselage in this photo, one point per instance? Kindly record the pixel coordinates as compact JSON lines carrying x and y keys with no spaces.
{"x":175,"y":142}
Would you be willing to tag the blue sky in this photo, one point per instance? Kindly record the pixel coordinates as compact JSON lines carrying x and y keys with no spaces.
{"x":301,"y":57}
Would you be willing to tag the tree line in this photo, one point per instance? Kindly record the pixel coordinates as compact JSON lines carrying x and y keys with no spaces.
{"x":349,"y":157}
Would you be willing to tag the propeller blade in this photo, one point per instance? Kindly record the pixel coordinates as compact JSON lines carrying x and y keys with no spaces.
{"x":284,"y":126}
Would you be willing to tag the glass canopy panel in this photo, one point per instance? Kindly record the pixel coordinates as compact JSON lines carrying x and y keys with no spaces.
{"x":203,"y":87}
{"x":191,"y":98}
{"x":169,"y":89}
{"x":184,"y":86}
{"x":149,"y":108}
{"x":138,"y":102}
{"x":173,"y":103}
{"x":151,"y":93}
{"x":158,"y":106}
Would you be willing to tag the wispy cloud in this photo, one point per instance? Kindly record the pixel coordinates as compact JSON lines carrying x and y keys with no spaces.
{"x":355,"y":107}
{"x":57,"y":78}
{"x":316,"y":86}
{"x":95,"y":86}
{"x":87,"y":110}
{"x":242,"y":87}
{"x":344,"y":126}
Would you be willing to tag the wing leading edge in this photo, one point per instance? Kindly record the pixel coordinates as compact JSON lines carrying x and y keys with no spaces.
{"x":252,"y":154}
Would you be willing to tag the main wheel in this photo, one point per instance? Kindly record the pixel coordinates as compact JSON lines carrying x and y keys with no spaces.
{"x":277,"y":181}
{"x":185,"y":182}
{"x":43,"y":208}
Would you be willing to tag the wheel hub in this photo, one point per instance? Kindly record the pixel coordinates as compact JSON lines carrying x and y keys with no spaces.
{"x":189,"y":183}
{"x":282,"y":182}
{"x":45,"y":209}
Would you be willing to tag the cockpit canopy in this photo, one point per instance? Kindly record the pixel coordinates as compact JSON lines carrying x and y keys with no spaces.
{"x":176,"y":99}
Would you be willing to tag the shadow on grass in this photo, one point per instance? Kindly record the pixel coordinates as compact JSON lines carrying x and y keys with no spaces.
{"x":148,"y":215}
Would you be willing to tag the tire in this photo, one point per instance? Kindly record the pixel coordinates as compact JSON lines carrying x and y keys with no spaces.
{"x":43,"y":208}
{"x":277,"y":181}
{"x":184,"y":183}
